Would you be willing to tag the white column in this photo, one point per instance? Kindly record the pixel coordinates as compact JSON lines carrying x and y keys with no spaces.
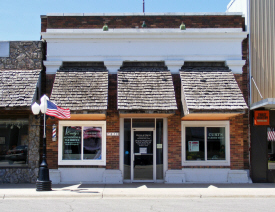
{"x":113,"y":66}
{"x":174,"y":65}
{"x":52,"y":66}
{"x":235,"y":65}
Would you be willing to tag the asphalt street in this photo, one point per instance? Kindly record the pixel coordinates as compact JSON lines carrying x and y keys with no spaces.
{"x":138,"y":205}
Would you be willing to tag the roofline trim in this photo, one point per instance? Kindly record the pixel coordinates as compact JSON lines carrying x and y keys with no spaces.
{"x":145,"y":14}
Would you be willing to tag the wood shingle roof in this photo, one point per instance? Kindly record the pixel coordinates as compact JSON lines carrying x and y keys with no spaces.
{"x":145,"y":88}
{"x":210,"y":89}
{"x":17,"y":87}
{"x":81,"y":88}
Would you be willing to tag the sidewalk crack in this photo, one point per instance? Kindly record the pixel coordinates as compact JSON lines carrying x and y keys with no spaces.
{"x":103,"y":191}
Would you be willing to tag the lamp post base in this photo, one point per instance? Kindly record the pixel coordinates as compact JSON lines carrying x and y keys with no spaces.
{"x":43,"y":185}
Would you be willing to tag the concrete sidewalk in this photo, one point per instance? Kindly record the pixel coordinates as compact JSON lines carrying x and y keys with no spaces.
{"x":141,"y":191}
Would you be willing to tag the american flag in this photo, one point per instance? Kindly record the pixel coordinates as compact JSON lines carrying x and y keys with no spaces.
{"x":58,"y":112}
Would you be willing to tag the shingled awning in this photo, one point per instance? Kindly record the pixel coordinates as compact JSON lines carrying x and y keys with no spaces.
{"x":17,"y":88}
{"x":210,"y":92}
{"x":146,"y":89}
{"x":82,"y":90}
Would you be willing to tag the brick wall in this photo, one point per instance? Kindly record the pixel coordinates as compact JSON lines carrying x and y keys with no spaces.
{"x":174,"y":129}
{"x":165,"y":21}
{"x":112,"y":153}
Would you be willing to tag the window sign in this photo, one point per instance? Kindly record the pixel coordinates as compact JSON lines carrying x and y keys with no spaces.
{"x":261,"y":117}
{"x":194,"y":146}
{"x":72,"y":143}
{"x":143,"y":139}
{"x":143,"y":150}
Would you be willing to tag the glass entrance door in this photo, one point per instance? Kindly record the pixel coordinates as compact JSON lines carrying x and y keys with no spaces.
{"x":143,"y":148}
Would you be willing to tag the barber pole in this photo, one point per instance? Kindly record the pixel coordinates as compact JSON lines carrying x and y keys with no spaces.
{"x":54,"y":133}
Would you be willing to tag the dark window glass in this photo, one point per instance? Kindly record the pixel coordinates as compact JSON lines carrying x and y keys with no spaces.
{"x":195,"y":143}
{"x":159,"y":141}
{"x":144,"y":123}
{"x":14,"y":141}
{"x":127,"y":149}
{"x":72,"y":143}
{"x":215,"y":143}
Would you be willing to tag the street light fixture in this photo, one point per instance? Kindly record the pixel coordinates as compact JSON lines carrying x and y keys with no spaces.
{"x":43,"y":182}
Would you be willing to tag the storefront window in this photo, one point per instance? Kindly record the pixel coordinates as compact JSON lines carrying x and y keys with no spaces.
{"x":82,"y":143}
{"x":205,"y":143}
{"x":14,"y":141}
{"x":271,"y":147}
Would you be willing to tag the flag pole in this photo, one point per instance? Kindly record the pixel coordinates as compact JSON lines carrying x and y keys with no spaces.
{"x":143,"y":7}
{"x":43,"y":182}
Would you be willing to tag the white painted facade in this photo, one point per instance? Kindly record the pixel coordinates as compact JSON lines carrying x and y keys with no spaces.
{"x":174,"y":46}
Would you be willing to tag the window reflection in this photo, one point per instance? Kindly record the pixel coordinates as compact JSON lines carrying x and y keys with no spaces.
{"x":14,"y":141}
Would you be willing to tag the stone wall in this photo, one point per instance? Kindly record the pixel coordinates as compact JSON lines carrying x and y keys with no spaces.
{"x":24,"y":55}
{"x":29,"y":173}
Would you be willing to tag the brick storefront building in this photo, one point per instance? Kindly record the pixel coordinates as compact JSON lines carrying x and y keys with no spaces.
{"x":154,"y":103}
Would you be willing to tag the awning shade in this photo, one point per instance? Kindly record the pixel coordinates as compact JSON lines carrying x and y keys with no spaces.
{"x":17,"y":87}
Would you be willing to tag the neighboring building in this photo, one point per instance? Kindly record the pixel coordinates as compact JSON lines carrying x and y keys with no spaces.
{"x":260,"y":20}
{"x":20,"y":82}
{"x":155,"y":104}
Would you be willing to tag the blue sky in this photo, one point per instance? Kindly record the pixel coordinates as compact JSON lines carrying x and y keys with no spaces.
{"x":20,"y":19}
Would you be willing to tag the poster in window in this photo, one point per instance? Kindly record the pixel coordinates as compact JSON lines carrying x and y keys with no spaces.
{"x":92,"y":137}
{"x":143,"y":139}
{"x":72,"y":143}
{"x":193,"y":146}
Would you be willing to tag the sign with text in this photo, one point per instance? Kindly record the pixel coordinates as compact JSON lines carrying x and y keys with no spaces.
{"x":261,"y":117}
{"x":112,"y":134}
{"x":193,"y":146}
{"x":143,"y":139}
{"x":72,"y":140}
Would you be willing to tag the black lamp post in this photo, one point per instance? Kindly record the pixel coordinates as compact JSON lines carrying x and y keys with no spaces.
{"x":43,"y":182}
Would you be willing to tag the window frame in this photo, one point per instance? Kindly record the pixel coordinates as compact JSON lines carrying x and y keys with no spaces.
{"x":205,"y":124}
{"x":102,"y":124}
